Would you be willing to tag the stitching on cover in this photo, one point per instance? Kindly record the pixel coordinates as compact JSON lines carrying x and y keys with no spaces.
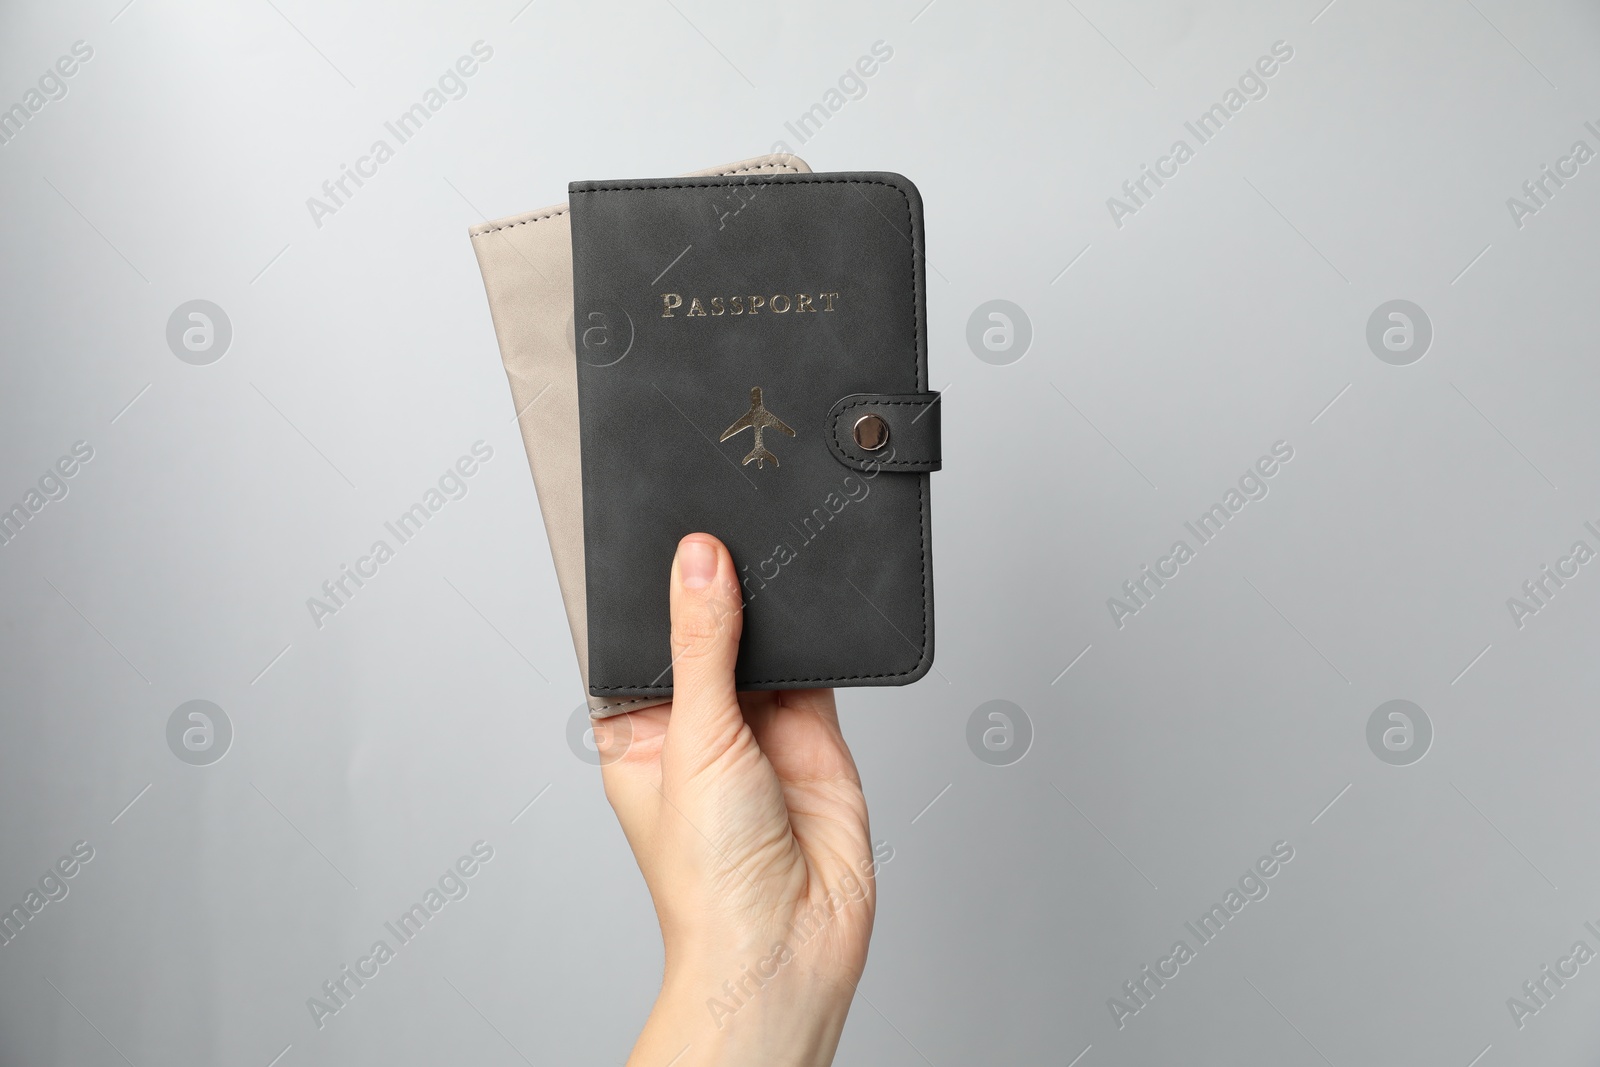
{"x":922,"y":487}
{"x":613,"y":705}
{"x":838,"y":445}
{"x":558,"y":212}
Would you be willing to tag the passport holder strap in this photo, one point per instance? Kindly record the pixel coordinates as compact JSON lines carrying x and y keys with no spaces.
{"x":886,"y":431}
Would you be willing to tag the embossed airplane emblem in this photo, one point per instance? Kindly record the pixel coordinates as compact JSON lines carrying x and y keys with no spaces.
{"x":759,"y":419}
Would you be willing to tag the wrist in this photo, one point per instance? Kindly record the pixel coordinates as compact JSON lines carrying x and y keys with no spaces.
{"x":767,"y":1012}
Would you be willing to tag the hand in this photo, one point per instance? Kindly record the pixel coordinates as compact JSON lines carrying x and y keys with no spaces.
{"x":745,"y":813}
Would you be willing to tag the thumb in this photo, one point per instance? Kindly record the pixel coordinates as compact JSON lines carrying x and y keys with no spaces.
{"x":707,"y":619}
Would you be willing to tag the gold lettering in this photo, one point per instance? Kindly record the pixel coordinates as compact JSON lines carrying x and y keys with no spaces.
{"x":718,"y":306}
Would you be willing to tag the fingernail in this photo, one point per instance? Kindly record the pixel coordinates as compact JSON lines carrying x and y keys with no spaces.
{"x":697,"y":563}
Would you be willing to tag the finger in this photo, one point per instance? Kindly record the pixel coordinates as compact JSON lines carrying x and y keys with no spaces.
{"x":799,"y":734}
{"x":707,"y":618}
{"x":629,"y":747}
{"x":819,"y":702}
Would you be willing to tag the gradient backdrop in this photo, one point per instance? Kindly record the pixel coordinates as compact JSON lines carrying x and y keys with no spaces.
{"x":1379,"y":259}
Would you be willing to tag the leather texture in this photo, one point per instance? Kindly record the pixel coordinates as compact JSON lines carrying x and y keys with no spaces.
{"x":913,"y":425}
{"x":526,"y":262}
{"x":716,"y":324}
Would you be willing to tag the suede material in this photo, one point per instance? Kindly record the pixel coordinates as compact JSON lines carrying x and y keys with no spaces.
{"x":721,"y":321}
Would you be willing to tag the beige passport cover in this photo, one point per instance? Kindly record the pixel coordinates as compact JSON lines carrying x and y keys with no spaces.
{"x":526,"y":262}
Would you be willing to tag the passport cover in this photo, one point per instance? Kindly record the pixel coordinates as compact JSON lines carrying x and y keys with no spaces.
{"x":752,"y":362}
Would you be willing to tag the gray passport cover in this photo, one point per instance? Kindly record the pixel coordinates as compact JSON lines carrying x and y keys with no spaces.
{"x":731,"y":335}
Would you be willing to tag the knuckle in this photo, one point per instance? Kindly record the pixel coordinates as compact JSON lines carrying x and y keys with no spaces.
{"x":702,"y":628}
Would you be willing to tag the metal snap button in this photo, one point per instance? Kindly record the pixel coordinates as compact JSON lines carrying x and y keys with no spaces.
{"x":871,"y":432}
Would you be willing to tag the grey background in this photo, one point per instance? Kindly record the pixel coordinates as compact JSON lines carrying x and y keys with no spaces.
{"x":1168,"y":354}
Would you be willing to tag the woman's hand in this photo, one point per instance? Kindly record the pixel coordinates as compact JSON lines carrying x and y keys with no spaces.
{"x":745,"y":813}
